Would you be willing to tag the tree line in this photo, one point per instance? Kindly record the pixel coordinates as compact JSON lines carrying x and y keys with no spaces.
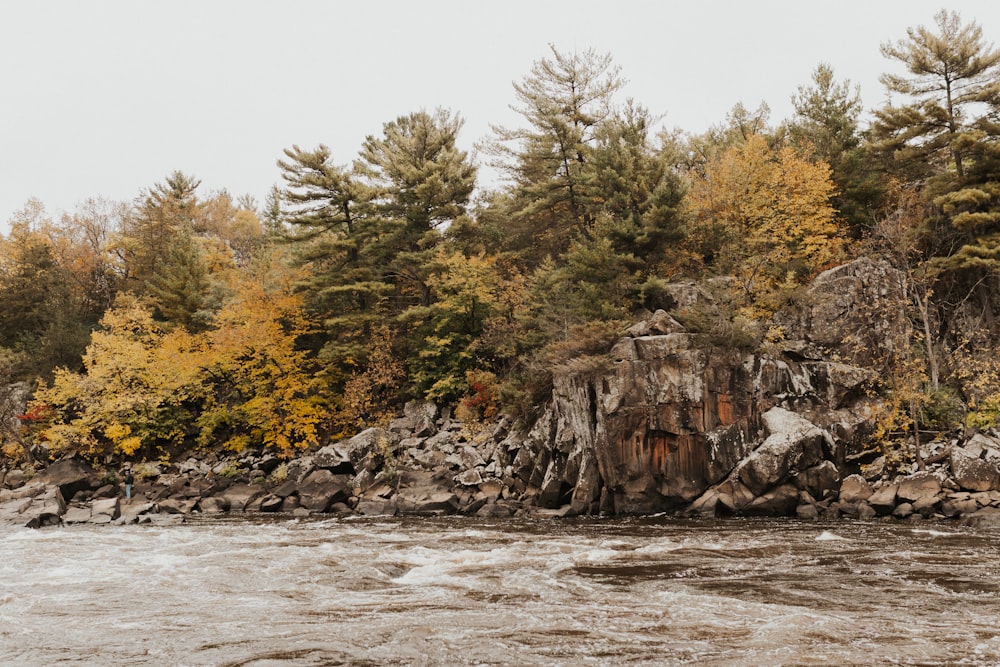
{"x":185,"y":318}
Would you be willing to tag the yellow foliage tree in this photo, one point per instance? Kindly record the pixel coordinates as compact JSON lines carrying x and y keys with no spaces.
{"x":139,"y":387}
{"x":146,"y":391}
{"x":764,"y":216}
{"x":265,"y":391}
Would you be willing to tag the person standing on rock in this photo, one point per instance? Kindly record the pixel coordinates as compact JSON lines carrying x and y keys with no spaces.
{"x":129,"y":480}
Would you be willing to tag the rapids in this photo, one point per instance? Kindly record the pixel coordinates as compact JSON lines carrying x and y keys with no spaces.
{"x":455,"y":591}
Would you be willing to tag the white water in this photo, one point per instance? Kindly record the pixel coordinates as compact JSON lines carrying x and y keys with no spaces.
{"x":468,"y":592}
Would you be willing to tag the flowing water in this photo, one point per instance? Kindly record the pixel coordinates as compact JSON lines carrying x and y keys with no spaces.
{"x":472,"y":592}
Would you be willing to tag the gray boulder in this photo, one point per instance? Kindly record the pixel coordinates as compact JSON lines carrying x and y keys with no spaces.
{"x":793,"y":443}
{"x":972,"y":473}
{"x":321,"y":488}
{"x":919,"y":485}
{"x":239,"y":496}
{"x":883,"y":500}
{"x":70,"y":476}
{"x":854,"y":488}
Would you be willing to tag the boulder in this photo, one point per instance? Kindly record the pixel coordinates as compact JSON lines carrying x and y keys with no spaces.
{"x":883,"y":500}
{"x":807,"y":512}
{"x":76,"y":514}
{"x":865,"y":511}
{"x":819,"y":480}
{"x":336,"y":458}
{"x":176,"y":505}
{"x":956,"y":507}
{"x":105,"y":510}
{"x":271,"y":503}
{"x":854,"y":488}
{"x":70,"y":476}
{"x":793,"y":443}
{"x":240,"y":495}
{"x":321,"y":488}
{"x":706,"y":505}
{"x":213,"y":505}
{"x":135,"y":512}
{"x":972,"y":473}
{"x":780,"y":501}
{"x":45,"y":509}
{"x":919,"y":485}
{"x":988,"y":517}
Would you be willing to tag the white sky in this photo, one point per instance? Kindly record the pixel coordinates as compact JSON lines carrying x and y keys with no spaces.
{"x":107,"y":97}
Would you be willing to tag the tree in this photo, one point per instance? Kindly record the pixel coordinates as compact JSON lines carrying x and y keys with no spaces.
{"x":137,"y":395}
{"x":565,"y":100}
{"x":335,"y":230}
{"x":952,"y":83}
{"x":44,"y":314}
{"x":421,"y":183}
{"x":826,"y":126}
{"x":945,"y":139}
{"x":161,"y":213}
{"x":763,"y":216}
{"x":263,"y":390}
{"x":639,"y":193}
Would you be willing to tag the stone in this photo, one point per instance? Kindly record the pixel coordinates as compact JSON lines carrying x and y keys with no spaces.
{"x":240,"y":495}
{"x":706,"y":505}
{"x":808,"y":512}
{"x":952,"y":508}
{"x":902,"y":510}
{"x":780,"y":501}
{"x":491,"y":489}
{"x":271,"y":503}
{"x":855,"y":488}
{"x":883,"y":500}
{"x":793,"y":443}
{"x":734,"y":496}
{"x":494,"y":511}
{"x":105,"y":510}
{"x":321,"y":488}
{"x":377,"y":507}
{"x":988,"y":517}
{"x":76,"y":514}
{"x":919,"y":485}
{"x":176,"y":505}
{"x":213,"y":505}
{"x":135,"y":512}
{"x":471,"y":477}
{"x":659,"y":323}
{"x":819,"y":480}
{"x":972,"y":473}
{"x":336,"y":458}
{"x":865,"y":511}
{"x":70,"y":476}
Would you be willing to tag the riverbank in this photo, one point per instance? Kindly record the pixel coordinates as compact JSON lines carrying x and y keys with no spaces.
{"x":427,"y":464}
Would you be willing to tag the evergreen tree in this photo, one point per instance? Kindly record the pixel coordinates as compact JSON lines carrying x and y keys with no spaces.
{"x":421,"y":183}
{"x":564,"y":100}
{"x":944,"y":139}
{"x":331,"y":220}
{"x":952,"y":83}
{"x":826,"y":124}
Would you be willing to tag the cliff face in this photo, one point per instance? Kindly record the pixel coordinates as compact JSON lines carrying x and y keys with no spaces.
{"x":670,"y":418}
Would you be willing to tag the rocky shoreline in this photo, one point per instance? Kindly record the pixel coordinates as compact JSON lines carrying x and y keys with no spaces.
{"x":667,"y":421}
{"x":427,"y":464}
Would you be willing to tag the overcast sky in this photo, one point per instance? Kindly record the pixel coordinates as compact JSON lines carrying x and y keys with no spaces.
{"x":105,"y":98}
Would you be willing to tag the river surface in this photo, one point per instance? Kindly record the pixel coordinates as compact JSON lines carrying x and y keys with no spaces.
{"x":473,"y":592}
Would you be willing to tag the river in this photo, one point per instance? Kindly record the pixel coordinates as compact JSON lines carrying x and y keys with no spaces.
{"x":410,"y":591}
